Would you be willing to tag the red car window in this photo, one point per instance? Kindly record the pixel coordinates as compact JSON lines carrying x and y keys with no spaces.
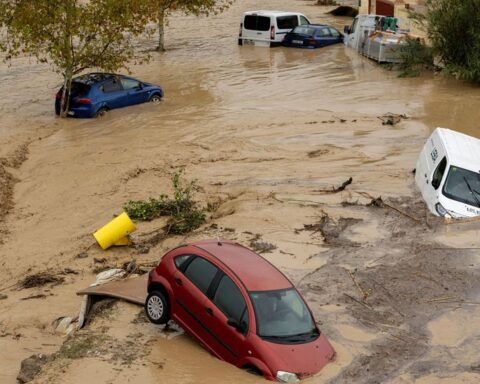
{"x":201,"y":273}
{"x":231,"y":302}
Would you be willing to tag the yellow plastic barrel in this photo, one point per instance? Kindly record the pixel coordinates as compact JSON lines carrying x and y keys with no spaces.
{"x":115,"y":231}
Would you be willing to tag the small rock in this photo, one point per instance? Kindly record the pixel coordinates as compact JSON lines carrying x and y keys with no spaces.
{"x":82,"y":255}
{"x":3,"y":296}
{"x":31,"y":367}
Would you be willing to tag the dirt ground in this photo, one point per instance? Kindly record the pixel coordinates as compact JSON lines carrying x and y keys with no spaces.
{"x":263,"y":131}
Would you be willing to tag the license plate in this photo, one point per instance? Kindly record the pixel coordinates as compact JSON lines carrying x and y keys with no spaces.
{"x":70,"y":113}
{"x":248,"y":42}
{"x":297,"y":42}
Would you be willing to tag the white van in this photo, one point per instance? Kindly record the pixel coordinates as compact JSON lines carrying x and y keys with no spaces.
{"x":368,"y":36}
{"x":268,"y":28}
{"x":448,"y":174}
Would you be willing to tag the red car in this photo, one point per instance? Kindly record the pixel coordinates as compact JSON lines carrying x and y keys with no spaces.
{"x":240,"y":308}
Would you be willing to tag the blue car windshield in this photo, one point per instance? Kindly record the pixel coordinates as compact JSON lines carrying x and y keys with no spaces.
{"x":282,"y":314}
{"x":463,"y":185}
{"x":304,"y":30}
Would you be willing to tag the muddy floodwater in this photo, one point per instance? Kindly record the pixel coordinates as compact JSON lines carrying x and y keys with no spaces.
{"x":265,"y":132}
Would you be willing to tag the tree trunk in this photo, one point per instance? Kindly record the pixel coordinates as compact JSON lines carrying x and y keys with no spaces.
{"x":67,"y":89}
{"x":161,"y":30}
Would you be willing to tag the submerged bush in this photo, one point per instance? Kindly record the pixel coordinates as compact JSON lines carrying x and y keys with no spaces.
{"x":453,"y":28}
{"x":416,"y":57}
{"x":185,"y":215}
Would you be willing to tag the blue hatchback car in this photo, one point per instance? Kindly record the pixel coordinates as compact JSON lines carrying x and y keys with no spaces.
{"x":312,"y":36}
{"x":95,"y":93}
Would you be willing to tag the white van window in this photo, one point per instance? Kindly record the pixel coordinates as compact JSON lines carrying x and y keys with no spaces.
{"x":304,"y":21}
{"x":438,"y":174}
{"x":257,"y":23}
{"x":287,"y":22}
{"x":463,"y":185}
{"x":354,"y":26}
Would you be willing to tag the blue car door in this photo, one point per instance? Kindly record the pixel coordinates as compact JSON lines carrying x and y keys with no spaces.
{"x":134,"y":89}
{"x":337,"y":36}
{"x":113,"y":94}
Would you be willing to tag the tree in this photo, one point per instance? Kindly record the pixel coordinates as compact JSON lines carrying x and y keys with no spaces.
{"x":160,"y":10}
{"x":453,"y":28}
{"x":73,"y":35}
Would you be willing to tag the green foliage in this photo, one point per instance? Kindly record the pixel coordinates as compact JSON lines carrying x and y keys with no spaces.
{"x":416,"y":57}
{"x":185,"y":216}
{"x":73,"y":35}
{"x":453,"y":27}
{"x":160,"y":9}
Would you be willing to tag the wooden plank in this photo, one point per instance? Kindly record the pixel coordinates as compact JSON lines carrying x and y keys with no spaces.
{"x":133,"y":290}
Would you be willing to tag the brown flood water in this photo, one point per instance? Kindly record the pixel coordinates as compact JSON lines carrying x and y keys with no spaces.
{"x":261,"y":128}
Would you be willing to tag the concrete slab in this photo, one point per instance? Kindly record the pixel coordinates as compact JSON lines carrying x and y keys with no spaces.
{"x":133,"y":290}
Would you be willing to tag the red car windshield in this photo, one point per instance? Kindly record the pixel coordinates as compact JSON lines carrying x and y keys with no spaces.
{"x":282,"y":314}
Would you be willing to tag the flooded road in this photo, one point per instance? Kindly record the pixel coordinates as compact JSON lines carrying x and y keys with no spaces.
{"x":263,"y":130}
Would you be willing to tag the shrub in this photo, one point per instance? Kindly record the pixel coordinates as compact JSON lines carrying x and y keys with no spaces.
{"x":185,"y":215}
{"x":453,"y":28}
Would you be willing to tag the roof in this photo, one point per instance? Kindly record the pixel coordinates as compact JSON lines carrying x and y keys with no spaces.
{"x":93,"y":78}
{"x":462,"y":150}
{"x":271,"y":12}
{"x":256,"y":273}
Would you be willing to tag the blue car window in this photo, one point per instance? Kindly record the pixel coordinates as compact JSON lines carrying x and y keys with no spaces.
{"x":324,"y":32}
{"x":112,"y":85}
{"x":334,"y":32}
{"x":129,"y":83}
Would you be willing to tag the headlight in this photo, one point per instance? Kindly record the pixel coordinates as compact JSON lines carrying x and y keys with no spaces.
{"x":440,"y":210}
{"x":287,"y":377}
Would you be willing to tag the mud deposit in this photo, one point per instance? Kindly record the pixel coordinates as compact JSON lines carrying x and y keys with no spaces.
{"x":267,"y":133}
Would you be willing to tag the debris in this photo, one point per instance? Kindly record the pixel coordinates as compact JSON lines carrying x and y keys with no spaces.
{"x":364,"y":293}
{"x":3,"y":296}
{"x":344,"y":10}
{"x":40,"y":279}
{"x":326,"y":2}
{"x":379,"y":203}
{"x":336,"y":189}
{"x":317,"y":153}
{"x":331,"y":229}
{"x":261,"y":246}
{"x":82,"y":255}
{"x":392,"y":118}
{"x":31,"y":367}
{"x":39,"y":296}
{"x":115,"y":232}
{"x":64,"y":325}
{"x":359,"y":302}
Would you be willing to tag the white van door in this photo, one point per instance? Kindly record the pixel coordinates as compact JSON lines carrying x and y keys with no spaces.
{"x":432,"y":168}
{"x":256,"y":28}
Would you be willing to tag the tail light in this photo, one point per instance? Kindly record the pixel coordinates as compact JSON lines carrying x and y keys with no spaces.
{"x":311,"y":41}
{"x":58,"y":96}
{"x":84,"y":100}
{"x":240,"y":32}
{"x":272,"y":33}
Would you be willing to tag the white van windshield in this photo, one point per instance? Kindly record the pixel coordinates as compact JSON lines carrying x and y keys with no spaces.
{"x":463,"y":185}
{"x":256,"y":23}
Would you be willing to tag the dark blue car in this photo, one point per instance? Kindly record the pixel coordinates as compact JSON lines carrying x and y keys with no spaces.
{"x":95,"y":93}
{"x":312,"y":36}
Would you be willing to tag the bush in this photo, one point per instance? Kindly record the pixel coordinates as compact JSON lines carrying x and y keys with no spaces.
{"x":185,"y":216}
{"x":453,"y":28}
{"x":416,"y":57}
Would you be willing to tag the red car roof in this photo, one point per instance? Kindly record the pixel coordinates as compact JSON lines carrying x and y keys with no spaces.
{"x":256,"y":273}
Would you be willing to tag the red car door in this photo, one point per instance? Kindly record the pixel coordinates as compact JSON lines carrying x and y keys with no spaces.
{"x":190,"y":287}
{"x":227,"y":318}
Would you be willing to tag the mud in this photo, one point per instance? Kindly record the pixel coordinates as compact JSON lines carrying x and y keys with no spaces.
{"x":261,"y":130}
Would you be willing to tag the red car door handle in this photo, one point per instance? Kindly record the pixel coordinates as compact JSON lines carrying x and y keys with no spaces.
{"x":209,"y":311}
{"x":178,"y":281}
